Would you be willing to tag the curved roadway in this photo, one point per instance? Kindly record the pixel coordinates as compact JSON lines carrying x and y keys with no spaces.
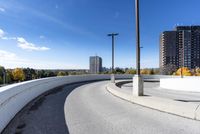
{"x":90,"y":109}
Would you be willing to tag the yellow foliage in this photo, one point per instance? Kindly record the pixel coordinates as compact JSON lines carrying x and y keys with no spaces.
{"x":197,"y":71}
{"x":147,"y":71}
{"x":131,"y":71}
{"x":185,"y":71}
{"x":144,"y":71}
{"x":18,"y":74}
{"x":61,"y":73}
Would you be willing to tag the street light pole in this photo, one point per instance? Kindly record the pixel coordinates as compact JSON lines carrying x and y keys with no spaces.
{"x":113,"y":52}
{"x":113,"y":55}
{"x":137,"y":37}
{"x":137,"y":79}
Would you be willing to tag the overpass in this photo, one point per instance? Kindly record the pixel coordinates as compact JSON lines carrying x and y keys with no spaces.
{"x":52,"y":105}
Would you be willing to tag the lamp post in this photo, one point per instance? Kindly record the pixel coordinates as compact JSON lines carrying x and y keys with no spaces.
{"x":113,"y":54}
{"x":137,"y":79}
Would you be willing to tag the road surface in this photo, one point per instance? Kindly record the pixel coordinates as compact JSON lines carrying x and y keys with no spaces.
{"x":45,"y":115}
{"x":90,"y":109}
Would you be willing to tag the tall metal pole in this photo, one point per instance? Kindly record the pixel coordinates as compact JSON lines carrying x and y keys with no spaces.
{"x":113,"y":49}
{"x":137,"y":37}
{"x":113,"y":53}
{"x":137,"y":79}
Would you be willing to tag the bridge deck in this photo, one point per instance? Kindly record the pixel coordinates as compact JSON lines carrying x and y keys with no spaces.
{"x":45,"y":115}
{"x":91,"y":109}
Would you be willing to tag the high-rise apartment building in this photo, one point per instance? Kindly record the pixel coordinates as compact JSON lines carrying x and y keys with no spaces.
{"x":180,"y":48}
{"x":95,"y":64}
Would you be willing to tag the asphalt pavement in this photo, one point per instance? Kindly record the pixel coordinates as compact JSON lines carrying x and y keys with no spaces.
{"x":44,"y":115}
{"x":90,"y":109}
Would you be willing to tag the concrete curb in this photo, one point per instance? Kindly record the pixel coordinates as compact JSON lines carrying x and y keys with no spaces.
{"x":15,"y":96}
{"x":198,"y":113}
{"x":184,"y":109}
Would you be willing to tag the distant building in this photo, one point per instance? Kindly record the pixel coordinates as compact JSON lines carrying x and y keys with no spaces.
{"x":95,"y":64}
{"x":180,"y":48}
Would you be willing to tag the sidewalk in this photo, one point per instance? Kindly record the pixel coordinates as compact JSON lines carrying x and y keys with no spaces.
{"x":179,"y":103}
{"x":153,"y":89}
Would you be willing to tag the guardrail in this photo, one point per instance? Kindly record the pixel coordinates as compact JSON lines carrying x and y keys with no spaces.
{"x":14,"y":97}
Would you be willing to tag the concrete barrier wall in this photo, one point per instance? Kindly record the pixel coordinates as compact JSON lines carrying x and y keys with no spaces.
{"x":158,"y":77}
{"x":14,"y":97}
{"x":190,"y":84}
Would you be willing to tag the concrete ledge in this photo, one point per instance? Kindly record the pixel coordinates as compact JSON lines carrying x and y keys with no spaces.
{"x":190,"y":84}
{"x":198,"y":113}
{"x":14,"y":97}
{"x":184,"y":109}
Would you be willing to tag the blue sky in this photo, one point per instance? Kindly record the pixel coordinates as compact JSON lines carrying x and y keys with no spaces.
{"x":62,"y":34}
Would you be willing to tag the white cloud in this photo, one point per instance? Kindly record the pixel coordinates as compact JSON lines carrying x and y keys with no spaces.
{"x":2,"y":33}
{"x":9,"y":38}
{"x":23,"y":44}
{"x":11,"y":60}
{"x":2,"y":36}
{"x":6,"y":56}
{"x":2,"y":9}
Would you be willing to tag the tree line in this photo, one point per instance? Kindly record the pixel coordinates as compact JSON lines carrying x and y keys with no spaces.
{"x":146,"y":71}
{"x":9,"y":76}
{"x":184,"y":71}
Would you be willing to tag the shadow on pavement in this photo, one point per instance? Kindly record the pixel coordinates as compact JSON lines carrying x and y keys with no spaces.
{"x":188,"y":100}
{"x":45,"y":114}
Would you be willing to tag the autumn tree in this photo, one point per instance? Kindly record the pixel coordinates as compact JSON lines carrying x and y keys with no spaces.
{"x":184,"y":71}
{"x":18,"y":74}
{"x":144,"y":71}
{"x":130,"y":71}
{"x":197,"y":72}
{"x":61,"y":73}
{"x":151,"y":72}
